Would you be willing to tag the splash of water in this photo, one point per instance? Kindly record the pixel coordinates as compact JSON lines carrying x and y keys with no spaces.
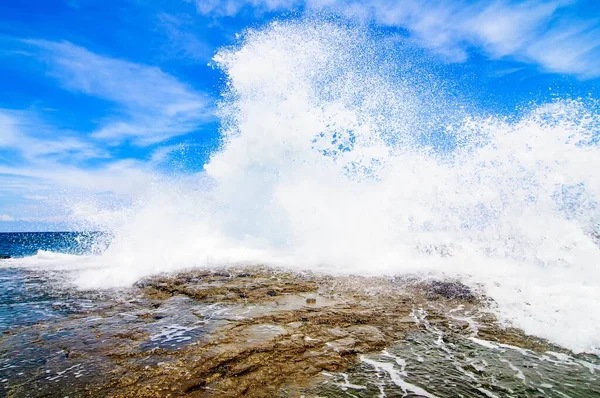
{"x":329,"y":161}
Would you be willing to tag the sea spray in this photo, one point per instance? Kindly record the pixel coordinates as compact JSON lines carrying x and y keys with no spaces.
{"x":329,"y":162}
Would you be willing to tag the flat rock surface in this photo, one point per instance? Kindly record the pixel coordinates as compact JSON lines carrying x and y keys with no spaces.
{"x":252,"y":332}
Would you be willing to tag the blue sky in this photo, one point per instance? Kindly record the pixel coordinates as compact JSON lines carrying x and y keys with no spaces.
{"x":99,"y":97}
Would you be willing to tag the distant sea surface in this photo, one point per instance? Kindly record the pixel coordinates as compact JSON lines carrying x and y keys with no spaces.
{"x":22,"y":244}
{"x":28,"y":296}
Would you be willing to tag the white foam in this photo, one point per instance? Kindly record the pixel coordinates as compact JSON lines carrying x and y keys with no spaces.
{"x":174,"y":332}
{"x":518,"y":372}
{"x":348,"y":385}
{"x":396,"y":377}
{"x":487,"y":393}
{"x":326,"y":164}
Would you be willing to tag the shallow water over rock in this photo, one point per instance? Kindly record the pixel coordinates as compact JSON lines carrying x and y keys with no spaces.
{"x":430,"y":364}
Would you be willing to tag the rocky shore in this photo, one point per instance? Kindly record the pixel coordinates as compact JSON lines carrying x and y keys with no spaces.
{"x":253,"y":332}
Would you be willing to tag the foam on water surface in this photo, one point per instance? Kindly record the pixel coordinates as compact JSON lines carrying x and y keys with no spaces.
{"x":340,"y":154}
{"x":430,"y":363}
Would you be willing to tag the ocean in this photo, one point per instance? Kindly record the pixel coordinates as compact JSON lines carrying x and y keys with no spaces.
{"x":23,"y":244}
{"x":26,"y":296}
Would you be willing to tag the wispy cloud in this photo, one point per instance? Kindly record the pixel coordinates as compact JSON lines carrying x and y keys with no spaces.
{"x":45,"y":170}
{"x":541,"y":32}
{"x":152,"y":105}
{"x":183,"y":43}
{"x":32,"y":139}
{"x":47,"y":190}
{"x":548,"y":33}
{"x":124,"y":177}
{"x":233,"y":7}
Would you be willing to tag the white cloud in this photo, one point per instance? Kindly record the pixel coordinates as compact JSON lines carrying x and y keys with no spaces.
{"x":35,"y":197}
{"x":122,"y":177}
{"x":44,"y":173}
{"x":76,"y":197}
{"x":182,"y":42}
{"x":542,"y":32}
{"x":47,"y":190}
{"x":54,"y":160}
{"x":45,"y":170}
{"x":154,"y":106}
{"x":232,"y":7}
{"x":163,"y":153}
{"x":24,"y":132}
{"x":6,"y":217}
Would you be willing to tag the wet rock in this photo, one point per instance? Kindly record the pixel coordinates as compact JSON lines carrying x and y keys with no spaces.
{"x":229,"y":287}
{"x":337,"y":332}
{"x":368,"y":333}
{"x":192,"y":385}
{"x":343,"y":346}
{"x":450,"y":290}
{"x":233,"y":337}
